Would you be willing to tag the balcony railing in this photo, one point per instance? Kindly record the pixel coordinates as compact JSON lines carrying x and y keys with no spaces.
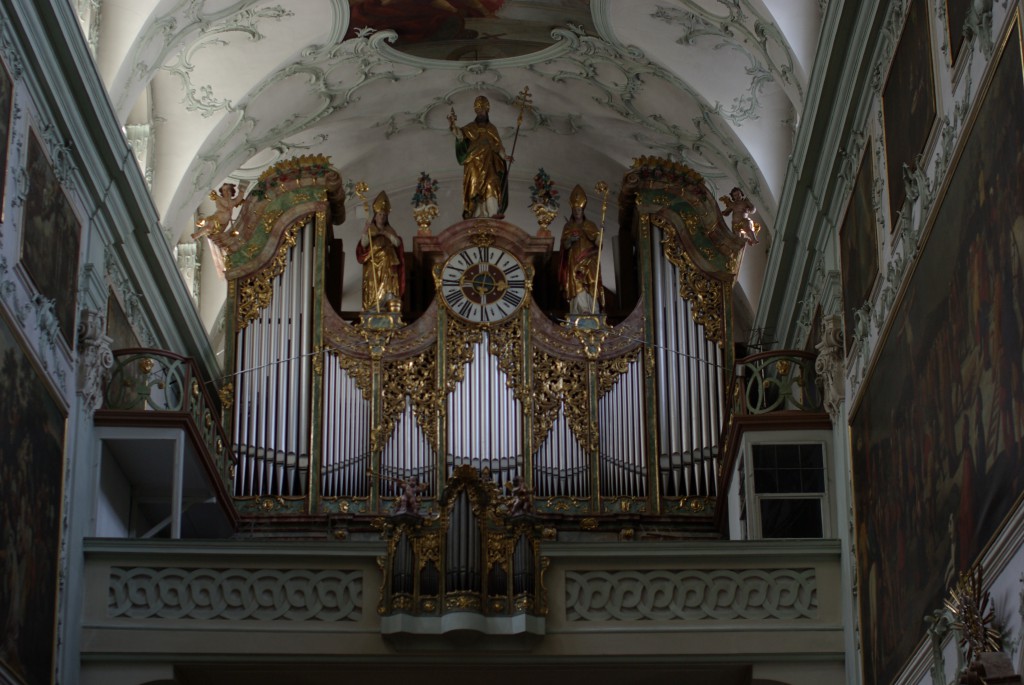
{"x":779,"y":380}
{"x":147,"y":380}
{"x":770,"y":391}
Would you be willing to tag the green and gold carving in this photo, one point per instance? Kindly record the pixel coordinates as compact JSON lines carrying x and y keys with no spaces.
{"x":705,"y":294}
{"x":255,"y":292}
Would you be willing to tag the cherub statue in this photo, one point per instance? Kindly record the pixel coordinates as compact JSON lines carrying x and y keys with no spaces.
{"x":740,"y":207}
{"x":225,"y":199}
{"x":409,"y":500}
{"x":522,"y":498}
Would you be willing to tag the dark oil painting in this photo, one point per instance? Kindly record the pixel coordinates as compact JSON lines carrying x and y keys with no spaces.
{"x":6,"y":102}
{"x":31,"y":474}
{"x":908,"y":102}
{"x":858,"y":246}
{"x":937,"y":435}
{"x":469,"y":30}
{"x":956,"y":16}
{"x":50,"y":238}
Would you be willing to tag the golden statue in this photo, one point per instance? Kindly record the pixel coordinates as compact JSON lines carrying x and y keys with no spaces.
{"x":225,"y":200}
{"x":737,"y":204}
{"x":484,"y":164}
{"x":579,"y":271}
{"x":382,"y":254}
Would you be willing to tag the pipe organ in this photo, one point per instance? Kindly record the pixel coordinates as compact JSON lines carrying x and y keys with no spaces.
{"x":272,"y":411}
{"x":613,"y":413}
{"x":473,"y":557}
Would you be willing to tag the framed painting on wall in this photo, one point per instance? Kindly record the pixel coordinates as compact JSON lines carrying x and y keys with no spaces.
{"x":474,"y":30}
{"x":908,"y":102}
{"x":956,"y":17}
{"x":938,"y":434}
{"x":31,"y":492}
{"x":51,"y":237}
{"x":858,"y":246}
{"x":6,"y":108}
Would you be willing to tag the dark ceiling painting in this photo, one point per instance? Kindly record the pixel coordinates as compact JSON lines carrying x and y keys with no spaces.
{"x":470,"y":29}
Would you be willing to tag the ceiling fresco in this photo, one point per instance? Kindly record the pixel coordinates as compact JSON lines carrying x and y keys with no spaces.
{"x":469,"y":30}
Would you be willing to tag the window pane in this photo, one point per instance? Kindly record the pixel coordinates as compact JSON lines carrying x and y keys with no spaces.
{"x":788,"y":468}
{"x":764,"y":456}
{"x":765,"y":480}
{"x":789,"y":480}
{"x":813,"y":480}
{"x":810,"y":456}
{"x":788,"y":456}
{"x":791,"y":518}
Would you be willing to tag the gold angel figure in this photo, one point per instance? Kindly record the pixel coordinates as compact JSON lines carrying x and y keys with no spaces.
{"x":740,"y":207}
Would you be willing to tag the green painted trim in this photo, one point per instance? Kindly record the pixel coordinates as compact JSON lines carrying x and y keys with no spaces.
{"x":650,"y":379}
{"x":317,"y":340}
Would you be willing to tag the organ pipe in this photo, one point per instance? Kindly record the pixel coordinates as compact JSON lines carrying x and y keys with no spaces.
{"x":272,"y":354}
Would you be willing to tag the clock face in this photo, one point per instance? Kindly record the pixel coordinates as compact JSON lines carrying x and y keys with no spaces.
{"x":483,"y":284}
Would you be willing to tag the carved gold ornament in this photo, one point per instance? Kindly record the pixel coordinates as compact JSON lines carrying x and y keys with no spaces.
{"x":256,"y":291}
{"x":560,"y":382}
{"x":506,"y":343}
{"x":460,"y":340}
{"x":973,"y":615}
{"x":544,"y":218}
{"x":610,"y":371}
{"x":415,"y":377}
{"x":424,"y":216}
{"x":227,"y":395}
{"x":705,"y":295}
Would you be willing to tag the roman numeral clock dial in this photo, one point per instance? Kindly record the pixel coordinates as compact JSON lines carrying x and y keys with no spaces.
{"x":483,"y":285}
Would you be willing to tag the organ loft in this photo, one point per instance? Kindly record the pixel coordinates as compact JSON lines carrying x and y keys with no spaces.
{"x":492,"y":390}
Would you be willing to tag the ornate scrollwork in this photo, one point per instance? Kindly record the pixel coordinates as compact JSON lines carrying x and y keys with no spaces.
{"x":415,"y":377}
{"x":705,"y":294}
{"x":360,"y":370}
{"x":506,"y":343}
{"x":829,"y":365}
{"x":427,"y":549}
{"x":561,"y":382}
{"x":238,"y":594}
{"x":483,"y":233}
{"x":459,"y":343}
{"x":392,"y":404}
{"x":499,"y":552}
{"x":256,"y":291}
{"x":610,"y":370}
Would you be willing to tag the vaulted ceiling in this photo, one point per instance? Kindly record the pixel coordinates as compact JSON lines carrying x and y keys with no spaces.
{"x":210,"y":90}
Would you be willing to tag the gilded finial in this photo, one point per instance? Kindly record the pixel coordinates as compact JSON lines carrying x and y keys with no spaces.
{"x":361,"y":189}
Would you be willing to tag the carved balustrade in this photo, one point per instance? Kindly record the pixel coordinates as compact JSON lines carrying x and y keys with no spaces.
{"x":779,"y":380}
